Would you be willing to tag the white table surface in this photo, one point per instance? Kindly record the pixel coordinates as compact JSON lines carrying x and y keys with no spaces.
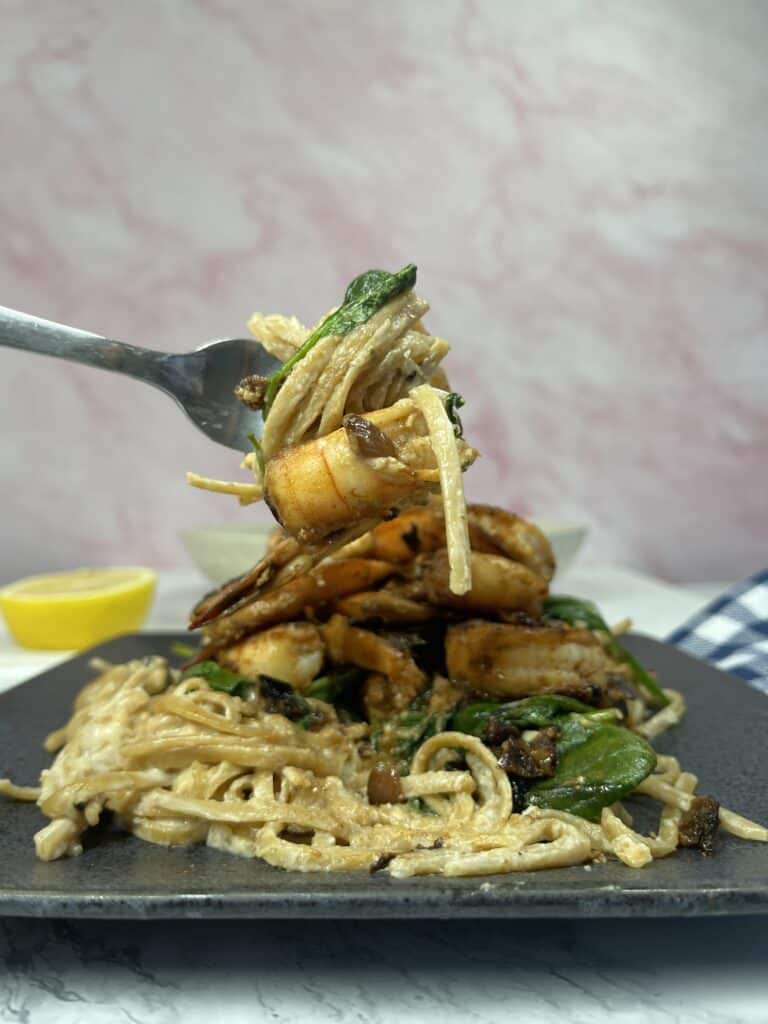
{"x":703,"y":971}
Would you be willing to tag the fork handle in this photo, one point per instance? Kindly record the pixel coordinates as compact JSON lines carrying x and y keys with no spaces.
{"x":32,"y":334}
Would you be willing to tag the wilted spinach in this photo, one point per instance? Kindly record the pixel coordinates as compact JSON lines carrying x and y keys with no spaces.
{"x":597,"y":761}
{"x":597,"y":764}
{"x":453,"y":403}
{"x":257,"y":451}
{"x":530,"y":712}
{"x":330,"y":687}
{"x":411,"y":728}
{"x":182,"y":650}
{"x":219,"y":678}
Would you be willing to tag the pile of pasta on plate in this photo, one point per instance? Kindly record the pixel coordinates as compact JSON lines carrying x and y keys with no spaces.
{"x":393,"y":687}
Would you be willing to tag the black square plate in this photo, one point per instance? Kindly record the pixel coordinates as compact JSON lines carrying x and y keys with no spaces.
{"x":723,"y":740}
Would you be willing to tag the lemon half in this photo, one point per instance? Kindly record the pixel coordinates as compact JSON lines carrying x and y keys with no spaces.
{"x":72,"y":610}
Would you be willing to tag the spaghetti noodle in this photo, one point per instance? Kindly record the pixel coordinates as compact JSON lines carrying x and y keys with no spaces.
{"x":376,"y":761}
{"x":392,"y":687}
{"x":356,"y":422}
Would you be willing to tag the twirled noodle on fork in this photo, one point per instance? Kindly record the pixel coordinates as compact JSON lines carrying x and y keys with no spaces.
{"x":358,"y":421}
{"x":393,"y":686}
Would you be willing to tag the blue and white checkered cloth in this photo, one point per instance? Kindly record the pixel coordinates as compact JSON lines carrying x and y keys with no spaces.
{"x":732,"y":631}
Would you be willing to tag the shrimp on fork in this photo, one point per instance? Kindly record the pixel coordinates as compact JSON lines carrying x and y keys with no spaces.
{"x":371,"y":465}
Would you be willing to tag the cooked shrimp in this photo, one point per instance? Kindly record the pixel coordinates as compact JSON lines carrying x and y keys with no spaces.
{"x":293,"y":652}
{"x":491,"y":530}
{"x":509,"y":660}
{"x":350,"y":645}
{"x":498,"y":532}
{"x":281,"y":550}
{"x":378,"y":698}
{"x":498,"y":585}
{"x":372,"y":464}
{"x":320,"y":586}
{"x":385,"y":605}
{"x":285,"y":560}
{"x":413,"y":532}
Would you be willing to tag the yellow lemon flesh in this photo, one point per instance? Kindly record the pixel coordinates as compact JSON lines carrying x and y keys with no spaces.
{"x":72,"y":610}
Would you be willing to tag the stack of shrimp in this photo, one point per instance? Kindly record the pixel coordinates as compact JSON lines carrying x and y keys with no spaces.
{"x":383,"y":604}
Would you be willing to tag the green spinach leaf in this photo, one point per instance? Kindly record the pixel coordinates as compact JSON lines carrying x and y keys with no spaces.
{"x":256,"y":443}
{"x":330,"y":687}
{"x":528,"y":713}
{"x":417,"y":804}
{"x":453,"y":403}
{"x":218,"y":678}
{"x":182,"y":650}
{"x":597,"y":764}
{"x":279,"y":697}
{"x":363,"y":297}
{"x":411,"y":728}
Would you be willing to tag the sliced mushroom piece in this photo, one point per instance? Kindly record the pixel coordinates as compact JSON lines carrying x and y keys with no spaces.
{"x":699,"y":824}
{"x":384,"y":786}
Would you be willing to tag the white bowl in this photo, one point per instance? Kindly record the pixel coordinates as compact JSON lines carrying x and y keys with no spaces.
{"x":566,"y":539}
{"x":222,"y":552}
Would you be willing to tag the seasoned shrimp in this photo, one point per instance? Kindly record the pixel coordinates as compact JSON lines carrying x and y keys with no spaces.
{"x":498,"y":532}
{"x":282,"y":550}
{"x":285,"y":560}
{"x":370,"y":465}
{"x":509,"y":660}
{"x":324,"y":584}
{"x":293,"y":652}
{"x":390,"y":605}
{"x":413,"y":532}
{"x":350,"y":645}
{"x":491,"y":531}
{"x":498,"y":585}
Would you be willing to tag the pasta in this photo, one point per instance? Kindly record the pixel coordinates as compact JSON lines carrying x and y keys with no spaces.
{"x":393,"y":687}
{"x":427,"y":778}
{"x":322,"y":464}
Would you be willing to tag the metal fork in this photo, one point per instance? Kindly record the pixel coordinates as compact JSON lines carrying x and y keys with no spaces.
{"x":202,"y":382}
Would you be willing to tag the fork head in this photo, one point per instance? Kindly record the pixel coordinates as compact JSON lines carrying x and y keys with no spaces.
{"x":205,"y":381}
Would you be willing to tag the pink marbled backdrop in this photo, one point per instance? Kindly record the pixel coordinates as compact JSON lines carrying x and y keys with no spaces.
{"x":583,"y":185}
